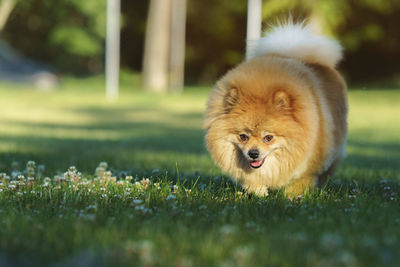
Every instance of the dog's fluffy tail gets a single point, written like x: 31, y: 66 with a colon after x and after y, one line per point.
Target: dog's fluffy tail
x: 298, y: 41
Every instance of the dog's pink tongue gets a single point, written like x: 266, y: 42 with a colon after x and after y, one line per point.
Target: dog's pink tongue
x: 256, y: 163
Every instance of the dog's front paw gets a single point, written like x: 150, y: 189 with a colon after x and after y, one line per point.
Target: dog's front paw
x: 261, y: 191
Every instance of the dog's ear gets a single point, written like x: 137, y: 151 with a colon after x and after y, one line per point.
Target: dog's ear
x: 282, y: 100
x: 231, y: 98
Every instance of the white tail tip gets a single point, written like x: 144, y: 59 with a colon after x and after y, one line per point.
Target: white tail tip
x: 298, y: 41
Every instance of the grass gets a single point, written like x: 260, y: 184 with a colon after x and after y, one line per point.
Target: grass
x: 161, y: 200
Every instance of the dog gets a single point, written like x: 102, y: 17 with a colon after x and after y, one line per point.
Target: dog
x: 279, y: 119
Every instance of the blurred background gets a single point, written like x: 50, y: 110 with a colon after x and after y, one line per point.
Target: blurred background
x: 67, y: 37
x: 59, y: 47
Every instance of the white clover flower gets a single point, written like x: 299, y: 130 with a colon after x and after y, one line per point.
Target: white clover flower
x: 84, y: 182
x: 1, y: 190
x: 145, y: 183
x: 128, y: 178
x: 72, y: 169
x: 46, y: 184
x: 30, y: 168
x: 157, y: 186
x: 104, y: 195
x: 59, y: 178
x: 14, y: 174
x: 103, y: 165
x: 72, y: 174
x: 11, y: 186
x: 174, y: 189
x: 100, y: 171
x: 31, y: 164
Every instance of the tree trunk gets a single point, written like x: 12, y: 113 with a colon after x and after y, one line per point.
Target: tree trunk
x: 157, y: 46
x: 6, y: 6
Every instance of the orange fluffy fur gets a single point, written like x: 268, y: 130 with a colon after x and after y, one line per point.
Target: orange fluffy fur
x: 302, y: 105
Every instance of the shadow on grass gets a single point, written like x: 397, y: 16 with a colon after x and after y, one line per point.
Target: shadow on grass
x: 374, y: 156
x: 129, y: 140
x: 113, y: 135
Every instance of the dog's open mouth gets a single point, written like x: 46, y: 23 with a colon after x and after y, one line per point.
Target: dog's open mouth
x: 256, y: 163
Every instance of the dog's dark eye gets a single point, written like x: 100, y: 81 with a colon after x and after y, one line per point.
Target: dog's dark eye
x: 243, y: 137
x: 268, y: 138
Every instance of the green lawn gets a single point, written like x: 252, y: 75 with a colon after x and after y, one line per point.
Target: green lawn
x: 204, y: 220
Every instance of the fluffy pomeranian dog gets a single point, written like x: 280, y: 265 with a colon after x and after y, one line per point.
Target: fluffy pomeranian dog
x: 278, y: 120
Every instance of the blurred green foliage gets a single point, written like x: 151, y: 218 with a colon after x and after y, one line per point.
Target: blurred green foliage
x: 69, y: 34
x: 216, y: 38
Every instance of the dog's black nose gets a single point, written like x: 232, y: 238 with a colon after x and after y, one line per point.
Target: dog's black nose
x: 253, y: 153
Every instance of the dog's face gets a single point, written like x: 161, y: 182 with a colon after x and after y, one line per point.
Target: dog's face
x: 255, y: 148
x: 262, y: 127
